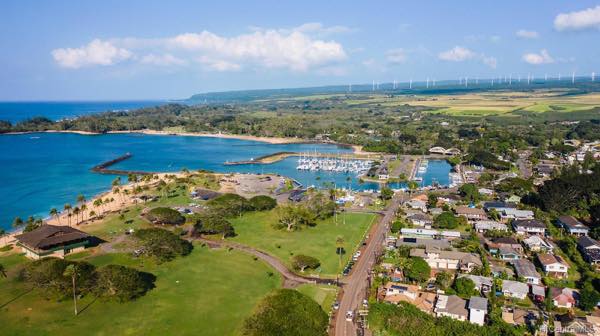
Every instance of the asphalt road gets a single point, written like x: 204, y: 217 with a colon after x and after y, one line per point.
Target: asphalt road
x: 355, y: 285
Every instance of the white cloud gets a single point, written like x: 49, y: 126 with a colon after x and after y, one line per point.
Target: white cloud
x: 271, y: 49
x: 97, y: 52
x: 542, y: 58
x: 396, y: 56
x: 162, y: 60
x: 461, y: 54
x: 295, y: 49
x: 581, y: 20
x: 456, y: 54
x: 527, y: 34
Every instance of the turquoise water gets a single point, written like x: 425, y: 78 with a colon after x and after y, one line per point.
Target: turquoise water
x: 44, y: 170
x: 437, y: 171
x: 17, y: 111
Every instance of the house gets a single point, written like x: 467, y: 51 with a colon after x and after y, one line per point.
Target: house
x: 514, y: 289
x: 485, y: 191
x: 486, y: 225
x: 416, y: 204
x: 590, y: 249
x: 420, y: 219
x: 567, y: 324
x: 396, y: 292
x: 517, y: 316
x: 507, y: 253
x: 472, y: 214
x: 526, y: 269
x: 554, y: 266
x: 451, y: 306
x: 538, y: 293
x: 529, y: 226
x: 563, y: 297
x: 429, y: 233
x: 507, y: 242
x: 538, y: 244
x: 453, y: 260
x: 500, y: 270
x: 435, y: 211
x: 482, y: 284
x: 449, y: 199
x: 419, y: 242
x: 499, y: 206
x: 52, y: 241
x: 204, y: 194
x: 573, y: 226
x: 514, y: 199
x: 511, y: 214
x: 478, y: 308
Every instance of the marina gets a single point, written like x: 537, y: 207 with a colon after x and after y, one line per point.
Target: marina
x: 339, y: 165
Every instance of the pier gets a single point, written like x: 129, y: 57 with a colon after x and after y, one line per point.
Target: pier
x: 103, y: 167
x: 275, y: 157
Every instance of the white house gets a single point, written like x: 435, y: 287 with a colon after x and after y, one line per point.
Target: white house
x: 510, y: 213
x: 451, y: 306
x: 485, y: 225
x: 529, y: 226
x: 573, y: 226
x: 538, y: 244
x: 526, y: 269
x: 477, y: 310
x: 454, y: 260
x: 514, y: 289
x: 553, y: 265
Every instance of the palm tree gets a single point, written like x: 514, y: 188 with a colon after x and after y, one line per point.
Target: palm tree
x: 412, y: 185
x: 67, y: 208
x: 92, y: 214
x: 54, y: 213
x: 2, y: 271
x: 97, y: 202
x: 83, y: 207
x: 73, y: 271
x: 76, y: 212
x: 80, y: 199
x: 17, y: 222
x: 339, y: 247
x: 2, y: 233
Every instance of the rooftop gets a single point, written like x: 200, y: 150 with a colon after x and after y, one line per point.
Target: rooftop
x: 476, y: 302
x: 48, y: 236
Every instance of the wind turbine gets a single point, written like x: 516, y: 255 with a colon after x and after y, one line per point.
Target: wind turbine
x: 373, y: 86
x: 573, y: 78
x: 466, y: 81
x: 349, y: 87
x: 593, y: 76
x: 427, y: 83
x: 492, y: 81
x: 528, y: 78
x: 559, y: 76
x: 510, y: 79
x: 545, y: 77
x: 410, y: 84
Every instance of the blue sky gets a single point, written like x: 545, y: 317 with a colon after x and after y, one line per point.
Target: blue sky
x: 99, y: 50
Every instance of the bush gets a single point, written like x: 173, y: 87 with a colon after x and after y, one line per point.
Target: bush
x: 123, y: 283
x: 287, y: 312
x: 162, y: 244
x: 262, y: 203
x: 49, y: 275
x: 164, y: 215
x: 302, y: 262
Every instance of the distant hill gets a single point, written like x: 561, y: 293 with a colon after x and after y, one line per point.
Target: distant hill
x: 446, y: 88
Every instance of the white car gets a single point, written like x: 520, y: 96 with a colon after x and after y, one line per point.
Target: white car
x: 349, y: 316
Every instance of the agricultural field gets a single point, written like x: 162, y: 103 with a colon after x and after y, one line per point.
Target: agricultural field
x: 209, y: 292
x: 256, y: 229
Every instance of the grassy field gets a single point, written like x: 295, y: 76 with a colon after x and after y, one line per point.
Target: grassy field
x: 209, y: 292
x: 322, y: 294
x: 255, y: 229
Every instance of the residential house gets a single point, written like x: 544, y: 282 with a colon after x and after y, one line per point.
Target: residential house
x: 478, y: 308
x: 514, y: 289
x: 486, y: 225
x: 590, y: 249
x: 506, y: 243
x: 519, y: 317
x: 508, y: 253
x: 449, y: 199
x: 514, y: 199
x: 512, y: 214
x: 486, y: 191
x: 500, y: 270
x: 451, y: 306
x: 471, y: 214
x: 568, y: 324
x: 420, y: 219
x: 573, y: 226
x: 429, y: 233
x: 499, y: 206
x: 538, y: 293
x: 526, y: 270
x: 397, y: 292
x: 482, y: 284
x: 529, y: 226
x: 435, y: 211
x: 423, y: 242
x: 452, y: 260
x: 52, y: 241
x: 538, y: 244
x: 553, y: 265
x: 416, y: 204
x: 563, y: 297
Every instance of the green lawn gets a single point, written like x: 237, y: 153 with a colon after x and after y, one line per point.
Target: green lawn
x: 209, y: 292
x: 255, y: 229
x: 324, y: 295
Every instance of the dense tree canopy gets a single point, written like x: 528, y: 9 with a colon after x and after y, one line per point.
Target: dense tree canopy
x: 301, y: 262
x: 122, y: 283
x: 417, y: 269
x: 161, y: 244
x: 163, y: 215
x: 287, y: 312
x: 262, y: 203
x: 446, y: 220
x: 213, y: 223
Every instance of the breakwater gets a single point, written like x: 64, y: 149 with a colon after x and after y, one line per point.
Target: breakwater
x: 103, y: 168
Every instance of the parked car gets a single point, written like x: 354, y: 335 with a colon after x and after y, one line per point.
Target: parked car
x: 336, y: 306
x: 349, y: 316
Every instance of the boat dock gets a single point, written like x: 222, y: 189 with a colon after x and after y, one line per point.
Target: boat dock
x: 275, y: 157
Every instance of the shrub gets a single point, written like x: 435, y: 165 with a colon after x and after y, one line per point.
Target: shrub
x: 162, y: 244
x: 162, y: 215
x: 123, y: 283
x: 262, y: 203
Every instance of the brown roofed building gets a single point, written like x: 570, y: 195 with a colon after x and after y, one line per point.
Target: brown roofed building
x: 472, y: 214
x: 52, y: 241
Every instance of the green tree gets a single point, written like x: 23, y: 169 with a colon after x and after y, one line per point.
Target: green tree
x: 164, y: 215
x: 122, y: 283
x: 301, y: 262
x: 54, y: 213
x: 72, y: 271
x: 17, y: 222
x: 2, y: 271
x: 339, y: 248
x: 386, y: 192
x: 161, y: 244
x: 446, y: 220
x: 287, y: 312
x: 465, y: 287
x: 589, y: 297
x: 443, y: 280
x: 67, y: 207
x: 432, y: 200
x: 412, y: 186
x: 417, y: 269
x: 262, y: 203
x: 212, y: 223
x: 293, y: 217
x: 470, y: 192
